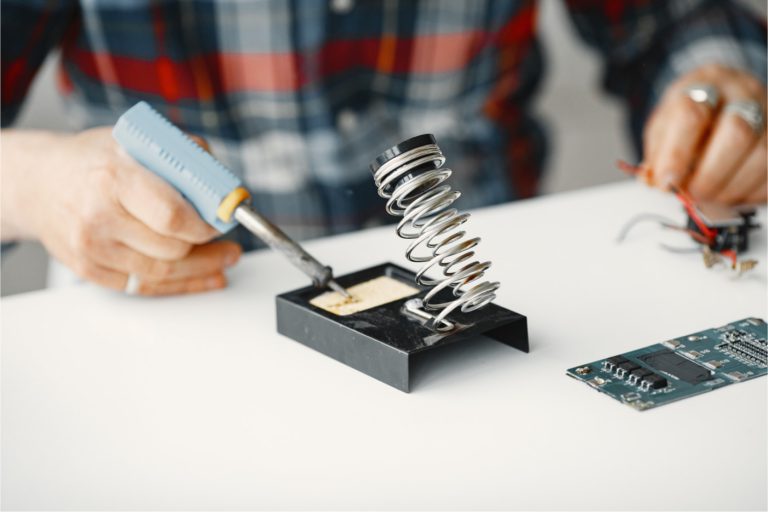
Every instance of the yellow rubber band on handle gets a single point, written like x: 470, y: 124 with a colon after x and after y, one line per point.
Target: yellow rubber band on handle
x: 227, y: 206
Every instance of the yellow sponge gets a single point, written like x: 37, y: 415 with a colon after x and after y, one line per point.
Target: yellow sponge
x: 366, y: 295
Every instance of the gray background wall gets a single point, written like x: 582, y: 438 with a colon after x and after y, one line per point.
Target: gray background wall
x: 585, y: 128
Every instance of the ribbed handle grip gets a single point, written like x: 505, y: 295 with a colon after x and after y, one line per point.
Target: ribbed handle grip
x: 161, y: 147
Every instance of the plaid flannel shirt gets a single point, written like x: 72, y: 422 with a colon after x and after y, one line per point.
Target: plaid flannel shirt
x: 297, y: 96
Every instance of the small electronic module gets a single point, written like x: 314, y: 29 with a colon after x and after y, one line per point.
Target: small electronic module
x: 681, y: 367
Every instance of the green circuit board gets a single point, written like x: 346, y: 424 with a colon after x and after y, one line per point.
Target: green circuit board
x: 681, y: 367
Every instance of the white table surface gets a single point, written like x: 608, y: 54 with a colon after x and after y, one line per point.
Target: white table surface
x: 113, y: 402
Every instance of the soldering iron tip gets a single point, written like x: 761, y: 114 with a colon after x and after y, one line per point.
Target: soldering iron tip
x: 333, y: 285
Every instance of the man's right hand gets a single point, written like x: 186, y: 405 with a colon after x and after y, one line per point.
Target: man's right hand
x: 105, y: 216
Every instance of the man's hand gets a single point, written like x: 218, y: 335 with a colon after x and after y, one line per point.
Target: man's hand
x: 712, y: 152
x: 105, y: 216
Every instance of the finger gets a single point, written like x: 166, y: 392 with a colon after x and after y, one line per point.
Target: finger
x: 758, y: 198
x: 653, y: 135
x: 139, y: 237
x: 89, y: 270
x: 727, y: 148
x: 158, y: 205
x: 103, y: 276
x: 191, y: 285
x: 78, y: 256
x: 687, y: 124
x: 201, y: 261
x: 758, y: 194
x: 748, y: 179
x: 652, y: 139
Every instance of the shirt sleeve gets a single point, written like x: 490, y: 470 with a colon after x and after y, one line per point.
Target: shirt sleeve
x: 648, y: 44
x: 29, y: 30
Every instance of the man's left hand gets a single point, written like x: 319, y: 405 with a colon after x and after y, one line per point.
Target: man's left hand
x: 714, y: 149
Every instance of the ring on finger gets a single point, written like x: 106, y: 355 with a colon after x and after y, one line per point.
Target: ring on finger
x: 750, y: 111
x: 132, y: 285
x: 703, y: 94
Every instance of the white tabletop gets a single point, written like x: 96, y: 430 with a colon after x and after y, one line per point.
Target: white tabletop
x: 113, y: 402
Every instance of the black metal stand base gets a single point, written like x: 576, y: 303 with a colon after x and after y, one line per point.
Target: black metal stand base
x: 382, y: 341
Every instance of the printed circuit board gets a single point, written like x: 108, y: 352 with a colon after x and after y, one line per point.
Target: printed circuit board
x: 681, y: 367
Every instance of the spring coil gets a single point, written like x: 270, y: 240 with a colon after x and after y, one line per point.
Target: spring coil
x: 413, y: 182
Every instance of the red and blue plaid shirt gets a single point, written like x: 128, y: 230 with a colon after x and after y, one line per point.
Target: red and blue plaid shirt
x: 298, y: 96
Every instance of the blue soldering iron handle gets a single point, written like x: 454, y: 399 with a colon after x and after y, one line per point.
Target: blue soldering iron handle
x: 161, y: 147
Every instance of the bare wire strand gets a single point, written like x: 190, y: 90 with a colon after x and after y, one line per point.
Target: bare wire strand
x: 665, y: 222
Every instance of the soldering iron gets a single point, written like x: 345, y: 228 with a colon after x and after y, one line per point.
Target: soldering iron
x: 216, y: 193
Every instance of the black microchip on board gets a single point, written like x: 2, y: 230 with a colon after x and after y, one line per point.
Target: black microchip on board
x: 674, y: 364
x: 641, y: 372
x: 628, y: 366
x: 655, y: 381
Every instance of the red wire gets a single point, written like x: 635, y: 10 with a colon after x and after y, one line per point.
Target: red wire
x: 690, y: 207
x: 730, y: 254
x: 688, y: 204
x: 632, y: 170
x: 637, y: 171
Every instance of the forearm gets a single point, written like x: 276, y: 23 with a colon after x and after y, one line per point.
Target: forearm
x: 23, y: 161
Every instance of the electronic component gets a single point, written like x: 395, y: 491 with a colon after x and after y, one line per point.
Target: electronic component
x: 745, y: 347
x: 653, y: 381
x: 611, y: 363
x: 624, y: 368
x: 596, y: 381
x: 658, y: 374
x: 676, y: 365
x: 637, y: 376
x: 728, y: 228
x: 721, y: 232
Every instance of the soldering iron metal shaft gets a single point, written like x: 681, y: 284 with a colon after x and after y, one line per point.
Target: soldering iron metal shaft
x: 273, y: 236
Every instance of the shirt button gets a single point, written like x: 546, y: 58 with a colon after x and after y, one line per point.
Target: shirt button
x: 342, y: 6
x: 346, y: 120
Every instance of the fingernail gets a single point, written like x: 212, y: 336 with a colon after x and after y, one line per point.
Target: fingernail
x: 214, y: 282
x: 231, y: 258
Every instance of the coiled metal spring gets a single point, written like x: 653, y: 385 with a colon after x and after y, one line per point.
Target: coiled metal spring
x: 412, y: 179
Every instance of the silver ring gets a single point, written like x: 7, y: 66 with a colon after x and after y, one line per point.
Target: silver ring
x: 703, y: 94
x: 132, y: 285
x: 748, y: 110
